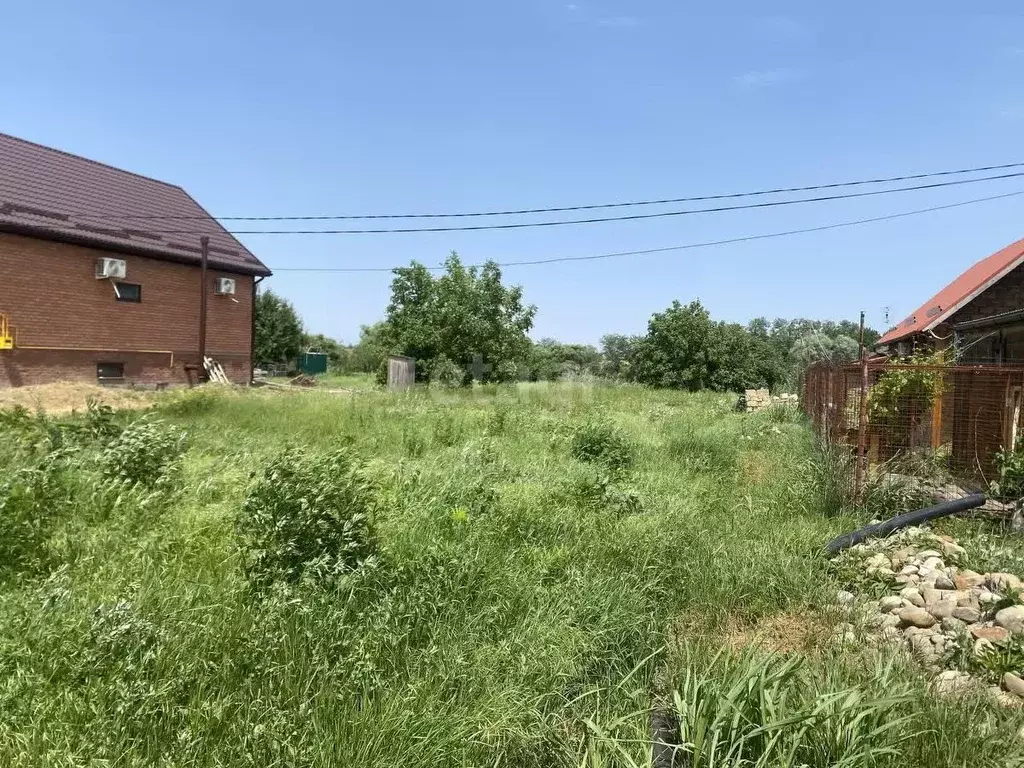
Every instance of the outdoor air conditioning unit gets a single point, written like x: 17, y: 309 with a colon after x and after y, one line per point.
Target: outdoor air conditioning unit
x: 224, y: 286
x: 110, y: 268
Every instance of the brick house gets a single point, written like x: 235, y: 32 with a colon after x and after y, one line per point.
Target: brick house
x: 100, y: 276
x: 981, y: 314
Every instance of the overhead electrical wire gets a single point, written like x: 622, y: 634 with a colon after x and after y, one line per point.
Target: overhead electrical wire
x: 567, y: 208
x: 603, y: 219
x: 687, y: 246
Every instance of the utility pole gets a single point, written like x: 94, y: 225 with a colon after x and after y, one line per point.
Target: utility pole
x: 862, y: 426
x: 205, y: 243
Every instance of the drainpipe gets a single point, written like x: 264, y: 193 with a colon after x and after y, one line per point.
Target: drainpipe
x: 205, y: 243
x: 252, y: 333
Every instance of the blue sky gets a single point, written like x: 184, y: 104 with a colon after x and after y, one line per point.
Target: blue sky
x: 261, y: 108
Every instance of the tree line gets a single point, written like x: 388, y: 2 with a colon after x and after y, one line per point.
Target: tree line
x: 466, y: 325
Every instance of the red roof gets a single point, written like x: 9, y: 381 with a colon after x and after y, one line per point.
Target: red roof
x: 954, y: 296
x: 54, y: 195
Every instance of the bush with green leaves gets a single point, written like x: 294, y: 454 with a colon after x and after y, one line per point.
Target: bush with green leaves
x: 447, y: 374
x: 601, y: 492
x: 146, y: 453
x: 307, y: 518
x: 29, y: 505
x: 1010, y: 466
x: 600, y: 442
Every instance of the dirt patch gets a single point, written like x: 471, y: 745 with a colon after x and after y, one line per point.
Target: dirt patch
x: 801, y: 631
x: 66, y: 397
x: 786, y: 632
x: 756, y: 467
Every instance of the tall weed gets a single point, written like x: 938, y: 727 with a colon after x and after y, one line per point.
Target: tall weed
x: 307, y: 518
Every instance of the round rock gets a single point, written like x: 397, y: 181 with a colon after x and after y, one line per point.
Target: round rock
x: 890, y: 603
x: 967, y: 614
x: 913, y: 595
x: 992, y: 634
x: 942, y: 581
x: 1003, y: 582
x: 953, y: 683
x: 1012, y: 618
x: 1013, y: 684
x: 940, y: 609
x: 998, y: 696
x: 952, y: 624
x: 916, y: 617
x: 968, y: 579
x: 987, y: 598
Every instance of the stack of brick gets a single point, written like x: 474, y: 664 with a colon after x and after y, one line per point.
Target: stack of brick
x: 754, y: 400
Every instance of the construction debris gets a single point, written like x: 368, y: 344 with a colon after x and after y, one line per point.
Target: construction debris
x: 215, y: 372
x: 753, y: 400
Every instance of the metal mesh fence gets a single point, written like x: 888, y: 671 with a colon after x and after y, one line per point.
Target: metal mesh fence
x: 932, y: 428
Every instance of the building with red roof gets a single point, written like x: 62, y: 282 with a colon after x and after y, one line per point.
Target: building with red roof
x: 101, y: 276
x: 981, y: 313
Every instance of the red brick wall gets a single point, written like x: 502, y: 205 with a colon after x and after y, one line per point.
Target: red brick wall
x: 52, y: 298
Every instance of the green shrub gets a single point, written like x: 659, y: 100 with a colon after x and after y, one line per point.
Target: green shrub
x: 307, y: 518
x: 100, y: 422
x: 447, y: 374
x: 600, y: 492
x: 145, y: 453
x: 599, y: 442
x: 27, y: 512
x: 1010, y: 466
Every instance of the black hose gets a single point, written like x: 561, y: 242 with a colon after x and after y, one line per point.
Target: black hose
x: 665, y: 740
x: 902, y: 521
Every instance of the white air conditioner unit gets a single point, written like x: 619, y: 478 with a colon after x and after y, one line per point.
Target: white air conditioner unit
x: 110, y: 268
x: 224, y: 286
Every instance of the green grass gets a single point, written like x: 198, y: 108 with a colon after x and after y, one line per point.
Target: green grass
x: 355, y: 381
x: 524, y: 607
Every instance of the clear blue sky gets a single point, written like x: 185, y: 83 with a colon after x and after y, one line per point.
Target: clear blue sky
x: 315, y: 107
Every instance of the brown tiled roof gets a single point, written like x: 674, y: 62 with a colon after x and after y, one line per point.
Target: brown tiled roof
x: 954, y: 296
x: 53, y: 195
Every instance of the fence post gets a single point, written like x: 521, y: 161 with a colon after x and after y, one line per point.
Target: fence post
x: 862, y: 426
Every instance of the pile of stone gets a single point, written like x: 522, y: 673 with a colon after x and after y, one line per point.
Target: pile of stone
x: 754, y: 400
x: 940, y: 611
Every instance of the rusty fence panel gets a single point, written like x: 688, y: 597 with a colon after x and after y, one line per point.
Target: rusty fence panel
x: 937, y: 428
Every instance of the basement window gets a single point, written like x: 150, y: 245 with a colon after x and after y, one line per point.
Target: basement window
x: 128, y: 292
x: 109, y: 371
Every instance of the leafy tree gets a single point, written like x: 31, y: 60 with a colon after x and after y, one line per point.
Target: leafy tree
x: 617, y: 352
x: 368, y: 355
x: 685, y: 349
x: 676, y: 351
x: 817, y: 347
x: 337, y: 353
x: 550, y: 360
x: 466, y: 315
x: 278, y: 329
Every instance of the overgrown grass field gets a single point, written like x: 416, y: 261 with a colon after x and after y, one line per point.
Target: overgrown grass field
x: 502, y: 577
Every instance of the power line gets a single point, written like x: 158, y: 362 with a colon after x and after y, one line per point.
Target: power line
x: 687, y: 246
x: 567, y: 208
x: 603, y: 219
